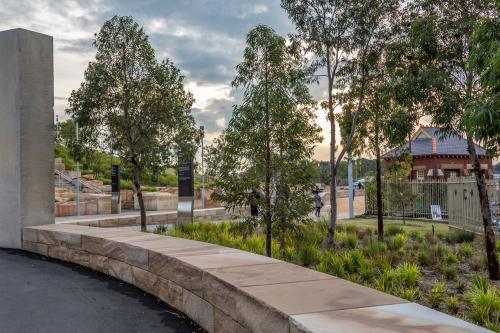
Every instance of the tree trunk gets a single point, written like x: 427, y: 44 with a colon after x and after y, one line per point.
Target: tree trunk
x: 267, y: 215
x: 380, y: 208
x: 489, y: 235
x: 333, y: 171
x: 333, y: 187
x: 140, y: 199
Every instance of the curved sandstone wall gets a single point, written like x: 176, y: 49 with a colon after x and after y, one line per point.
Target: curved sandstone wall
x: 227, y: 290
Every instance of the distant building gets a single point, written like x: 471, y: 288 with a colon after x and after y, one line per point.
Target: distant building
x: 439, y: 156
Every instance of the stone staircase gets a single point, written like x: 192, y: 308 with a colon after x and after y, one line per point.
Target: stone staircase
x: 62, y: 179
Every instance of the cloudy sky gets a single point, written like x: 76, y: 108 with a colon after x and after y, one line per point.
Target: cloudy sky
x: 204, y: 38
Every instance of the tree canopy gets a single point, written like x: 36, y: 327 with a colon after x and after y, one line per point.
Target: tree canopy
x: 131, y: 103
x: 271, y: 135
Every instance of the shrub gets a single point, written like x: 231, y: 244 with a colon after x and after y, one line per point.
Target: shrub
x: 392, y: 230
x: 450, y: 258
x: 366, y: 272
x: 396, y: 242
x: 255, y: 244
x: 481, y: 283
x: 430, y: 239
x: 438, y: 252
x: 126, y: 184
x: 411, y: 294
x: 466, y: 250
x: 382, y: 262
x: 409, y: 274
x: 423, y: 258
x: 436, y: 294
x: 168, y: 179
x: 350, y: 241
x: 349, y: 263
x: 476, y: 263
x: 452, y: 305
x: 450, y: 272
x: 459, y: 236
x: 375, y: 249
x: 351, y: 229
x: 484, y: 304
x: 388, y: 279
x: 148, y: 189
x: 161, y: 230
x: 308, y: 254
x: 332, y: 264
x: 460, y: 286
x: 416, y: 236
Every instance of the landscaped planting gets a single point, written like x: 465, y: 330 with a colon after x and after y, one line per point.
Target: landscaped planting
x: 445, y: 271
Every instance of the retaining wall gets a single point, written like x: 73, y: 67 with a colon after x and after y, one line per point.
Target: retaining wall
x: 157, y: 218
x: 226, y: 290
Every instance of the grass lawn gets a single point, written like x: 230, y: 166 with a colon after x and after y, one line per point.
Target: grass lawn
x: 420, y: 226
x: 446, y: 270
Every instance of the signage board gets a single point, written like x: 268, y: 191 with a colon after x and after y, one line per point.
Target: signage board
x: 185, y: 179
x: 115, y: 190
x: 436, y: 212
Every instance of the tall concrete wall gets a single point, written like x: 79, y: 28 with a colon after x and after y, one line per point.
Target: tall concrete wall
x: 26, y: 133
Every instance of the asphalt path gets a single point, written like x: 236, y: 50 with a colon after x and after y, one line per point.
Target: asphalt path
x: 38, y: 294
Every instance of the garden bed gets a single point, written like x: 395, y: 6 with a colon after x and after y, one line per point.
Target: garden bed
x: 445, y: 270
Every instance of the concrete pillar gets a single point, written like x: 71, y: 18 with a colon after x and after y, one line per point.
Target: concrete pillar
x: 26, y: 133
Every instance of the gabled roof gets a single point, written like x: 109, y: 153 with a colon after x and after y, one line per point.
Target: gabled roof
x: 446, y: 144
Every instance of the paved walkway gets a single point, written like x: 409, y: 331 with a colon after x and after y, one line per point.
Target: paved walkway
x: 44, y: 295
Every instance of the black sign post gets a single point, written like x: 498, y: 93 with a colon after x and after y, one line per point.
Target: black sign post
x: 185, y: 204
x: 115, y: 190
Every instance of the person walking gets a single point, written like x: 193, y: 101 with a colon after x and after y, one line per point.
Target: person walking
x: 254, y: 199
x: 317, y: 203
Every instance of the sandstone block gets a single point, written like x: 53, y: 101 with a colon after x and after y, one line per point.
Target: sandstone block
x: 242, y: 308
x: 224, y: 324
x: 199, y: 310
x: 35, y: 247
x: 171, y: 293
x: 60, y: 238
x: 146, y: 281
x: 122, y: 251
x: 120, y: 270
x: 98, y: 263
x: 186, y: 276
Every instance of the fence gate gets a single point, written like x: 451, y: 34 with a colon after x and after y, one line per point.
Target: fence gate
x: 464, y: 208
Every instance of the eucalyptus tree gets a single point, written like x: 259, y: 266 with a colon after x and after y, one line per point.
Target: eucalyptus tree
x: 383, y: 125
x: 440, y: 76
x: 269, y: 141
x: 341, y: 35
x: 131, y: 103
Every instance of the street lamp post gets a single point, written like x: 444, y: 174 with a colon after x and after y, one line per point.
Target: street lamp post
x: 351, y: 186
x: 77, y: 174
x: 202, y: 135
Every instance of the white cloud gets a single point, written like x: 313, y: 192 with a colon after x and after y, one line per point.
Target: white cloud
x: 247, y: 10
x: 260, y: 9
x: 204, y: 94
x: 160, y: 25
x: 221, y: 122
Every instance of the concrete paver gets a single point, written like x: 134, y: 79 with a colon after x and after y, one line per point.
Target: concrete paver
x: 397, y: 318
x: 323, y: 295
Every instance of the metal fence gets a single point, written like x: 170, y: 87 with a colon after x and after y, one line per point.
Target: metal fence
x: 457, y: 199
x: 411, y: 199
x: 465, y: 208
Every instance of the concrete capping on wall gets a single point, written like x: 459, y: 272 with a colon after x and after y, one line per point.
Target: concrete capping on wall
x: 226, y: 290
x: 154, y: 218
